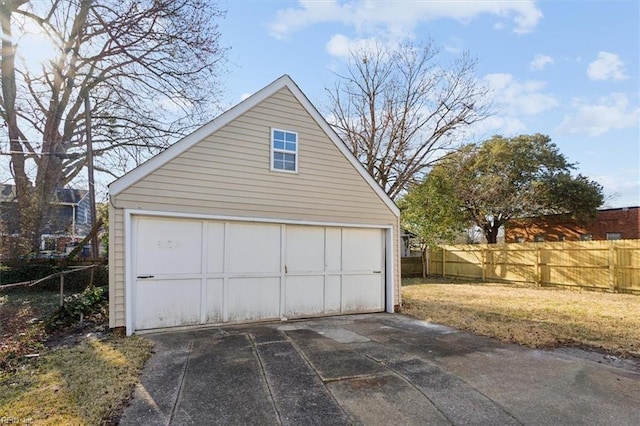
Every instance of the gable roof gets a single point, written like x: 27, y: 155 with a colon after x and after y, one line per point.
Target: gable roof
x: 228, y: 116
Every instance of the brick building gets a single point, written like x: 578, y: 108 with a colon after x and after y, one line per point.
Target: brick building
x: 609, y: 224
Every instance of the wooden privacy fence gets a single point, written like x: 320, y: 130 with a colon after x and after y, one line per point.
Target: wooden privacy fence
x: 411, y: 266
x: 604, y: 265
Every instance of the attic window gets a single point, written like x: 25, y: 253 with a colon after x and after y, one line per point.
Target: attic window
x: 284, y: 151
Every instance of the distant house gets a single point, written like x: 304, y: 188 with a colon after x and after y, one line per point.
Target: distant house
x: 609, y: 224
x: 69, y: 218
x: 408, y: 239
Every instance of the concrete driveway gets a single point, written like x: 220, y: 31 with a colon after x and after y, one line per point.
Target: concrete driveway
x: 375, y: 369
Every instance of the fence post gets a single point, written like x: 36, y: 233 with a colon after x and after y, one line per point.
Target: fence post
x: 428, y: 261
x: 538, y: 267
x: 444, y: 263
x: 62, y: 290
x: 612, y: 271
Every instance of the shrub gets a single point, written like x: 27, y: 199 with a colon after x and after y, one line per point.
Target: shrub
x: 91, y: 305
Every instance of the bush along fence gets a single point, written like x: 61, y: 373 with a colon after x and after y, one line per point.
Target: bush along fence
x: 600, y: 265
x: 91, y: 303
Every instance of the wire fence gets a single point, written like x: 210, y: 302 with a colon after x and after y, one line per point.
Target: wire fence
x: 60, y: 275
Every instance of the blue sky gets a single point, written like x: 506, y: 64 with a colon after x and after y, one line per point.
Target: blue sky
x: 568, y: 69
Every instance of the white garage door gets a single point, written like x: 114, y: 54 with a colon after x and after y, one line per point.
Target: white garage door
x: 198, y: 272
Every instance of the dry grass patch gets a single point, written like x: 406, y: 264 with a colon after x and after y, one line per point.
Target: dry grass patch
x: 21, y: 327
x: 532, y: 316
x: 86, y: 384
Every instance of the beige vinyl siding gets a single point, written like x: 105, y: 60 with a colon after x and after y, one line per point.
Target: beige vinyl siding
x: 116, y: 267
x: 228, y: 173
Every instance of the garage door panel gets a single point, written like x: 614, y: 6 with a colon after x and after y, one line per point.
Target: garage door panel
x: 333, y: 256
x: 362, y: 293
x: 253, y: 298
x: 305, y: 248
x: 254, y: 248
x: 167, y: 303
x: 303, y: 296
x: 215, y: 247
x: 214, y: 300
x: 168, y: 247
x: 333, y: 293
x: 361, y: 249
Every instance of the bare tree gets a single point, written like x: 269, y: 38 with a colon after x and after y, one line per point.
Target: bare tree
x: 150, y: 70
x: 401, y: 110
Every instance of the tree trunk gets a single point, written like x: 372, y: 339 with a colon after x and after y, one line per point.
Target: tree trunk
x: 491, y: 233
x: 24, y: 191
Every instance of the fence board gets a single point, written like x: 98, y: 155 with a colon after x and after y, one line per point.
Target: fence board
x: 411, y: 266
x: 602, y: 265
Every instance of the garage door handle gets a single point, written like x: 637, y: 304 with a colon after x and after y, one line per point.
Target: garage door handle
x: 145, y: 276
x: 377, y: 272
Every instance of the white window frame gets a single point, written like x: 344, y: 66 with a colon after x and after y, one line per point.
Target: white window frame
x: 283, y: 151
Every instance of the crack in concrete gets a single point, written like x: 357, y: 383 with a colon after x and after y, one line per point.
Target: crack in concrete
x: 264, y: 375
x: 346, y: 378
x: 402, y: 377
x: 308, y: 362
x: 180, y: 387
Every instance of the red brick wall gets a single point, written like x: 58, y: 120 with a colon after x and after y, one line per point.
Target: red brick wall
x: 625, y: 221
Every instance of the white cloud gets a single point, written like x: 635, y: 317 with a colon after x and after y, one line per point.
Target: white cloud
x: 621, y: 188
x: 540, y: 62
x: 513, y: 101
x: 340, y: 45
x: 245, y: 96
x: 519, y: 98
x: 398, y: 21
x: 607, y: 66
x: 498, y: 124
x: 594, y: 119
x: 454, y: 46
x: 174, y: 102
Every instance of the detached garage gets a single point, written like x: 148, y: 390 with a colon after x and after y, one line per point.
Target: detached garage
x: 261, y: 214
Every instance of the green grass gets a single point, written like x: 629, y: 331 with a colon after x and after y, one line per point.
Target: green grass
x: 87, y: 383
x: 532, y: 316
